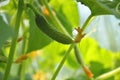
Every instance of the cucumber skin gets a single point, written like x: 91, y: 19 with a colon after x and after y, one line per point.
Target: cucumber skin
x: 51, y: 31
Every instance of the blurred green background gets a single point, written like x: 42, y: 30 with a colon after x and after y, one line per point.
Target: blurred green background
x: 100, y: 48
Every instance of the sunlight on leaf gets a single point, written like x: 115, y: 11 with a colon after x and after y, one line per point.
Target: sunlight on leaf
x: 69, y: 9
x: 93, y: 52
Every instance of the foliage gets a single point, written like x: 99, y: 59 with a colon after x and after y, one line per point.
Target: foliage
x: 28, y: 53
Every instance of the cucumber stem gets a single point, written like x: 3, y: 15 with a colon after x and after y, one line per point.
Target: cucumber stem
x: 89, y: 19
x: 78, y: 56
x: 81, y: 62
x: 55, y: 19
x: 14, y: 39
x: 108, y: 74
x: 62, y: 62
x: 33, y: 9
x: 24, y: 49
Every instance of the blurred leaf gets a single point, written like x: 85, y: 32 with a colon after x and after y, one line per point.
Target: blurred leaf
x: 1, y: 75
x: 27, y: 77
x: 65, y: 22
x: 69, y: 9
x: 78, y: 76
x: 5, y: 31
x: 117, y: 60
x: 111, y: 78
x: 3, y: 59
x: 72, y: 62
x: 14, y: 78
x: 37, y: 39
x: 102, y: 7
x: 97, y: 68
x: 52, y: 55
x: 93, y: 52
x: 2, y: 67
x: 1, y: 52
x: 117, y: 76
x: 9, y: 6
x: 114, y: 6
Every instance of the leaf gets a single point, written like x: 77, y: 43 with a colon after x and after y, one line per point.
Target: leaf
x: 93, y: 52
x: 102, y: 7
x: 98, y: 68
x: 52, y: 55
x: 68, y: 9
x: 5, y: 31
x: 9, y: 6
x: 72, y: 62
x: 65, y: 22
x: 3, y: 59
x: 117, y: 60
x: 37, y: 39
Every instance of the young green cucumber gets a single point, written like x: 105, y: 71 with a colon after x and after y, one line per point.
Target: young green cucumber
x: 51, y: 31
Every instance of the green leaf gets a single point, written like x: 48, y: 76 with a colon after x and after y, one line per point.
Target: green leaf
x: 69, y: 9
x: 52, y: 54
x: 93, y: 52
x: 9, y: 6
x: 37, y: 39
x: 65, y: 22
x: 72, y: 62
x: 98, y: 68
x: 5, y: 31
x: 117, y: 60
x: 103, y: 7
x: 3, y: 59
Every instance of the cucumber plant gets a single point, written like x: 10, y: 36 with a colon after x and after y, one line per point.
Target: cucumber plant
x: 51, y: 32
x: 41, y: 18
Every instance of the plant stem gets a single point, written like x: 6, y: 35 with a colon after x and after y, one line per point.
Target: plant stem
x: 23, y: 69
x: 108, y: 74
x: 55, y: 19
x: 62, y: 62
x: 81, y: 62
x: 89, y: 19
x: 78, y: 56
x: 24, y: 48
x: 14, y: 40
x: 32, y: 8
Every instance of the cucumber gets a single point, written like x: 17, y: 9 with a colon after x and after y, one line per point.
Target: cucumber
x: 51, y: 31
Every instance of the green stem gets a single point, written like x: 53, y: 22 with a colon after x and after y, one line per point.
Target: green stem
x: 14, y: 40
x: 81, y: 62
x: 23, y: 69
x: 24, y: 48
x: 89, y: 19
x: 32, y: 8
x: 62, y: 62
x: 108, y: 74
x: 78, y: 56
x: 55, y: 19
x: 22, y: 66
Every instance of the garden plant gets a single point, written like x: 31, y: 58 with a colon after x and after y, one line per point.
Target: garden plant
x: 46, y: 40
